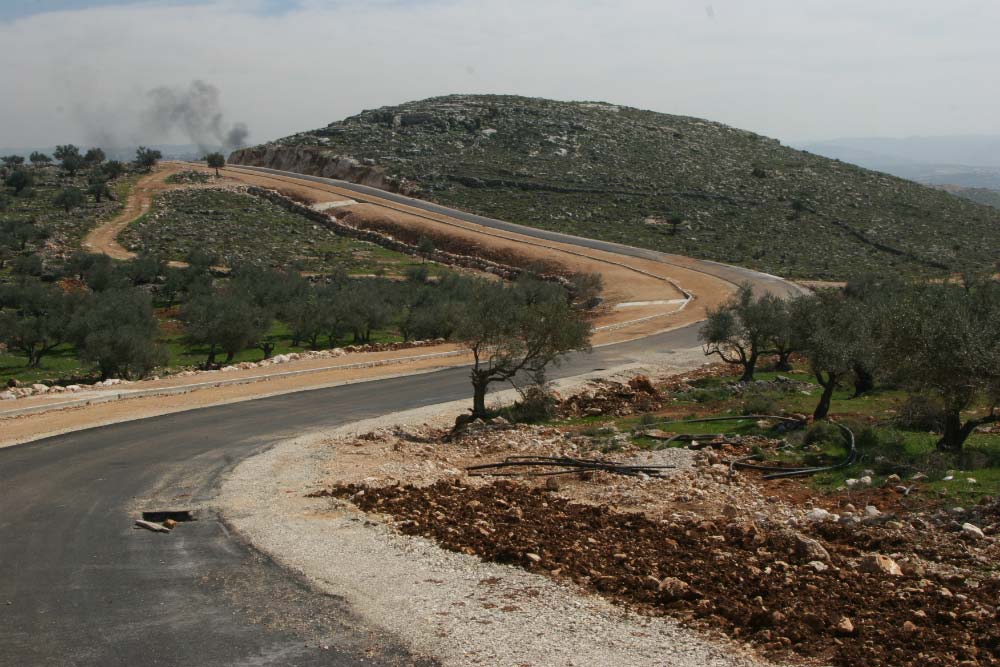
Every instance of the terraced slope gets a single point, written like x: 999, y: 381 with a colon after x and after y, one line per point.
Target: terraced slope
x: 665, y: 182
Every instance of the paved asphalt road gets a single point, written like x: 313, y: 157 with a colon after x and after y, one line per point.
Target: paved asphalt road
x: 79, y: 586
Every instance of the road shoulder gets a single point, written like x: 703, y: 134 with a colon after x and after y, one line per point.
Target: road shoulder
x: 447, y: 605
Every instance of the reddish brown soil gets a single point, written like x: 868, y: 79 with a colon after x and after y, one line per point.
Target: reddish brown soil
x: 749, y: 581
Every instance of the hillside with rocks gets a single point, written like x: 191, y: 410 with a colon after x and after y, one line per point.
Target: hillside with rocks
x: 670, y: 183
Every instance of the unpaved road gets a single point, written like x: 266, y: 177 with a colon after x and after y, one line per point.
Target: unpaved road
x: 80, y: 587
x: 104, y: 238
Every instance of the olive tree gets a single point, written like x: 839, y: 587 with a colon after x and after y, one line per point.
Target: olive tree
x: 216, y: 161
x: 511, y: 333
x: 223, y: 321
x: 94, y: 157
x: 941, y: 339
x: 98, y: 188
x: 38, y: 159
x: 19, y: 180
x: 833, y: 332
x: 117, y: 331
x: 742, y: 329
x: 34, y: 319
x: 69, y: 158
x: 146, y: 158
x: 69, y: 198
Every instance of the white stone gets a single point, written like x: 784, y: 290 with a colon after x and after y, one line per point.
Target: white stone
x: 974, y: 531
x: 818, y: 514
x: 872, y: 511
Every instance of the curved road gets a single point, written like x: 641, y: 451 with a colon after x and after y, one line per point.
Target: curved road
x: 79, y: 586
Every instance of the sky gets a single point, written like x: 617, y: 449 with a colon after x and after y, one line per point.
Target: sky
x: 81, y: 71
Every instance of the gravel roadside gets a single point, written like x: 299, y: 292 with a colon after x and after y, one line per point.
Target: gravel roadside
x: 445, y: 605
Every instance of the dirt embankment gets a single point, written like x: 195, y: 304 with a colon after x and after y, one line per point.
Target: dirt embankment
x: 313, y: 161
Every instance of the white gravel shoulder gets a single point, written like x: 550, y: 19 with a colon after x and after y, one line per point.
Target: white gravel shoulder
x: 445, y: 605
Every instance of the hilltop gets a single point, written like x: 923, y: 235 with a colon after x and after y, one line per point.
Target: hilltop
x: 671, y: 183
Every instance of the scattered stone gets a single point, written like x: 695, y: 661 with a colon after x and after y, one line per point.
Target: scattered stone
x: 810, y: 550
x: 973, y: 531
x: 674, y: 589
x: 879, y: 563
x: 818, y: 515
x: 844, y: 627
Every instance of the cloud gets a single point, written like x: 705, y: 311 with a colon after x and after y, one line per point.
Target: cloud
x: 787, y: 68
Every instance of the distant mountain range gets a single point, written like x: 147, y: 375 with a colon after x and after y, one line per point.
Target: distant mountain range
x: 971, y: 161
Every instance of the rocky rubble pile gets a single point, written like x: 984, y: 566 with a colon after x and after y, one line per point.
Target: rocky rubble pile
x: 607, y: 397
x: 783, y: 590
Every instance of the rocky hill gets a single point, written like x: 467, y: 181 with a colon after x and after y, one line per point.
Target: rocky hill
x: 671, y: 183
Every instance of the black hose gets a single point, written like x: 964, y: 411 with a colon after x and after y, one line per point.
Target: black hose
x: 565, y: 463
x: 775, y: 472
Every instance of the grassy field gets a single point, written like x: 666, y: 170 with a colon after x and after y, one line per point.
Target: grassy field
x: 239, y: 228
x: 885, y: 446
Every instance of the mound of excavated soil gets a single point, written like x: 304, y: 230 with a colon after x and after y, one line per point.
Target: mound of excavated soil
x: 817, y: 596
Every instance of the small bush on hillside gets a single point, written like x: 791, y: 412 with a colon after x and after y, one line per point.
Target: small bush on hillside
x: 536, y: 404
x: 884, y: 450
x: 921, y: 413
x: 759, y: 404
x: 824, y: 433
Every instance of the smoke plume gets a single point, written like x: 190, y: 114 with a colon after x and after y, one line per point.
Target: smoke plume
x: 194, y: 111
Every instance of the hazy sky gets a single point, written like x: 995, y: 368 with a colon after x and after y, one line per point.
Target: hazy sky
x: 793, y: 69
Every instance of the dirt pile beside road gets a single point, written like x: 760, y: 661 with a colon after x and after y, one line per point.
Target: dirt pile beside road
x: 815, y: 594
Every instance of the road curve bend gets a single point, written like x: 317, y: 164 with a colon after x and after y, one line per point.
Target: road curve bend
x: 79, y: 586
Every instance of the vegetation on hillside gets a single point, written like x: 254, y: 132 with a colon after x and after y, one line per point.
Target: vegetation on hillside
x: 936, y: 340
x: 238, y: 228
x: 671, y: 183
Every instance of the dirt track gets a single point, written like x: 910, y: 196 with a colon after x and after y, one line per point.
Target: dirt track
x: 104, y: 238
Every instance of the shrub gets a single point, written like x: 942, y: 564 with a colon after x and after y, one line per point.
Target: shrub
x: 824, y: 433
x: 921, y: 413
x: 536, y: 404
x: 759, y: 404
x: 883, y: 449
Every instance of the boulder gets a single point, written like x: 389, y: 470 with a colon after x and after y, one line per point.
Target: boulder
x: 972, y: 531
x: 880, y: 564
x: 809, y: 549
